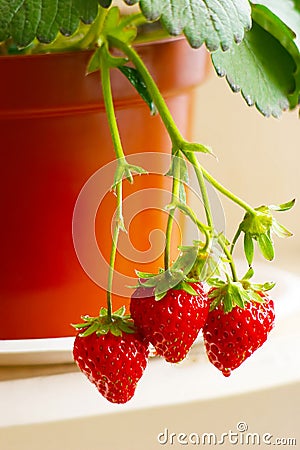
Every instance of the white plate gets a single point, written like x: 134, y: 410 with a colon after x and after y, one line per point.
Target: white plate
x: 36, y: 351
x: 59, y: 350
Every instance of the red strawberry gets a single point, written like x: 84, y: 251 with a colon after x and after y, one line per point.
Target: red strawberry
x: 114, y: 360
x: 231, y: 337
x: 172, y: 323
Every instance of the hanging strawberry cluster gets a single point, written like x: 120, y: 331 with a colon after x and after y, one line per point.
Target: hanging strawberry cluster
x: 201, y: 290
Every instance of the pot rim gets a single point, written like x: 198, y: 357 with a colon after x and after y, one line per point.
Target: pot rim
x: 141, y: 44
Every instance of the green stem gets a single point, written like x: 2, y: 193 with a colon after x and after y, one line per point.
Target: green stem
x: 109, y: 107
x: 159, y: 102
x: 175, y: 196
x: 199, y: 174
x: 227, y: 193
x: 230, y: 259
x: 201, y: 227
x: 91, y: 37
x: 236, y: 236
x: 113, y: 253
x: 135, y: 19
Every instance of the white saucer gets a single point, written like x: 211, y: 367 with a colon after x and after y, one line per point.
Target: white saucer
x: 36, y: 351
x: 59, y: 350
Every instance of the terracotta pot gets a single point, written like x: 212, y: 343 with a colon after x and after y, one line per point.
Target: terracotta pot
x: 54, y: 137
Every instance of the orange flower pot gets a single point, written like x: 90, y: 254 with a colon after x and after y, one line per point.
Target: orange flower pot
x: 54, y: 137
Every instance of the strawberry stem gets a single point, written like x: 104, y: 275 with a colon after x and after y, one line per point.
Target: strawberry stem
x: 175, y: 196
x: 228, y: 193
x: 109, y: 105
x: 159, y: 101
x: 110, y: 111
x: 199, y: 174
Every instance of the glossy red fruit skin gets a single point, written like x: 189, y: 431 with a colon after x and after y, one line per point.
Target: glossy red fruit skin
x: 172, y: 323
x: 230, y: 338
x: 113, y: 363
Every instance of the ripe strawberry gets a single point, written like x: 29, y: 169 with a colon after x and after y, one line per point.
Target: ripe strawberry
x: 231, y: 337
x: 113, y: 362
x: 172, y: 323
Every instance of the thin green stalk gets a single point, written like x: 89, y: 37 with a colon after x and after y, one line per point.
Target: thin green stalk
x: 227, y: 193
x: 236, y: 236
x: 109, y: 107
x: 175, y: 196
x: 230, y: 259
x: 201, y: 227
x: 159, y: 102
x: 199, y: 174
x: 135, y: 19
x: 113, y: 253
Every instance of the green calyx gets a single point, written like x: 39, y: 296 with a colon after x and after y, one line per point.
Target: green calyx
x: 257, y: 224
x: 117, y: 324
x: 206, y: 264
x: 174, y: 278
x: 233, y: 294
x: 260, y: 226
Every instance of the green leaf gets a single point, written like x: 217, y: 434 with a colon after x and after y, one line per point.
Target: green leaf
x: 126, y: 326
x: 249, y: 274
x: 263, y: 287
x: 135, y: 78
x: 25, y: 20
x: 131, y: 2
x: 191, y: 147
x: 261, y: 68
x: 255, y: 297
x: 103, y: 312
x: 276, y: 22
x: 105, y: 3
x: 114, y: 329
x: 234, y: 291
x: 80, y: 325
x: 187, y: 288
x: 160, y: 295
x: 218, y: 23
x: 94, y: 63
x: 144, y: 274
x: 120, y: 312
x: 216, y: 282
x: 92, y: 329
x: 288, y: 11
x: 185, y: 260
x: 248, y: 248
x: 266, y: 246
x: 87, y: 10
x: 280, y: 230
x: 284, y: 206
x: 268, y: 286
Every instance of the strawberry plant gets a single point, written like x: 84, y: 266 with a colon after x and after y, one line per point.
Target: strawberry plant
x: 255, y: 45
